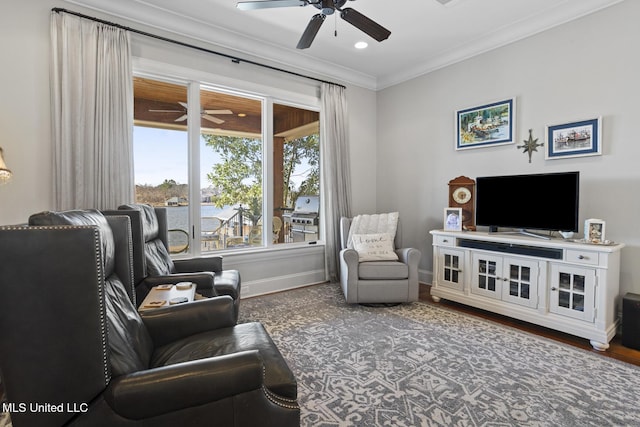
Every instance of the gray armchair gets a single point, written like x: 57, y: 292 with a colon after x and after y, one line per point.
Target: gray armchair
x: 72, y: 338
x: 387, y: 281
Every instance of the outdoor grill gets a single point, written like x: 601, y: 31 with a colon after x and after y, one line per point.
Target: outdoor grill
x: 303, y: 221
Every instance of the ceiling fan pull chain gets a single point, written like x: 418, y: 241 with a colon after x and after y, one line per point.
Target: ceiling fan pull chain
x: 335, y: 25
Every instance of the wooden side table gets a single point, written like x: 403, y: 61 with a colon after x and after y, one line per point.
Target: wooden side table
x: 165, y: 295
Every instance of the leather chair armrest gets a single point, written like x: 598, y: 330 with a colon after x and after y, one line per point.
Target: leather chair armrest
x: 203, y: 280
x: 172, y: 388
x: 171, y: 323
x: 198, y: 264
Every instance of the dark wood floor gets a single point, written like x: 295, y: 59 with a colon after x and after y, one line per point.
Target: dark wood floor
x: 615, y: 351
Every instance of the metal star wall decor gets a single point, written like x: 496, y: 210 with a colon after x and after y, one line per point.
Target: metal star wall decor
x: 530, y: 145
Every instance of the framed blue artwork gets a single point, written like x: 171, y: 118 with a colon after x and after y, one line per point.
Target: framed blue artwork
x: 575, y: 139
x: 486, y: 125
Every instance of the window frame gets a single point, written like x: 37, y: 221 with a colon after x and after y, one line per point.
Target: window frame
x: 196, y: 81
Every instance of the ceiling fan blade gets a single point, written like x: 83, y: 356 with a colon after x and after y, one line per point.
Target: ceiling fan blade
x: 364, y: 24
x: 218, y: 112
x: 213, y: 119
x: 310, y: 32
x: 181, y: 118
x: 252, y: 5
x: 184, y: 104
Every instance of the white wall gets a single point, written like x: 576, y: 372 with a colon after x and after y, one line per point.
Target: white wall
x: 362, y: 150
x: 580, y: 70
x: 24, y: 109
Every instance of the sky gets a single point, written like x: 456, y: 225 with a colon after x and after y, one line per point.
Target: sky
x: 161, y: 154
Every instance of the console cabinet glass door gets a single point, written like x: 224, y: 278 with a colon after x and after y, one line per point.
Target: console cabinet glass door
x: 450, y: 268
x: 487, y: 275
x: 520, y: 282
x: 572, y: 291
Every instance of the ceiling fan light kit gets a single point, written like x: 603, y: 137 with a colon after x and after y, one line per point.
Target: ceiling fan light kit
x: 205, y: 114
x: 327, y: 7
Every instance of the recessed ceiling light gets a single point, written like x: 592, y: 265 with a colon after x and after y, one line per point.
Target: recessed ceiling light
x: 242, y: 115
x: 361, y: 45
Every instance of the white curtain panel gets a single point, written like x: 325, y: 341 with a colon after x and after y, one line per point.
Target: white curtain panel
x: 336, y: 173
x: 92, y: 114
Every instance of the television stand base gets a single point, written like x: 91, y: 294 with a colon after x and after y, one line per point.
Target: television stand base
x: 494, y: 230
x: 568, y: 286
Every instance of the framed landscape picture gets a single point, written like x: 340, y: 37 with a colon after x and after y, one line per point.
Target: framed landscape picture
x: 575, y: 139
x: 486, y: 125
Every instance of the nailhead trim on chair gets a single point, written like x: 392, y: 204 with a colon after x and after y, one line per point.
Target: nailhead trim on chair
x: 101, y: 296
x: 277, y: 399
x: 131, y: 279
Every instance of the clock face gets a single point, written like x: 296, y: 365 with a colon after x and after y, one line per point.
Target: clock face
x: 461, y: 195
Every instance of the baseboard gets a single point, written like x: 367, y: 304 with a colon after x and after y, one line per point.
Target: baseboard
x: 270, y: 285
x: 425, y: 276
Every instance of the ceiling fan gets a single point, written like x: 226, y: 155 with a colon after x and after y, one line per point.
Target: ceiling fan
x: 205, y: 114
x: 327, y: 7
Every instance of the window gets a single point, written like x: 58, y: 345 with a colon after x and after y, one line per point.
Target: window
x: 219, y: 186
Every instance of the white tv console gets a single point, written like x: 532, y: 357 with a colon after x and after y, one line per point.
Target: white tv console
x: 564, y: 285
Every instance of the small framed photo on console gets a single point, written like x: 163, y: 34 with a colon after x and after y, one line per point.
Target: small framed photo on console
x: 453, y: 219
x: 594, y: 231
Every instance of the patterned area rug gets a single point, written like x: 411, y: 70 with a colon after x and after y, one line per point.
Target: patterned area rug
x: 423, y: 365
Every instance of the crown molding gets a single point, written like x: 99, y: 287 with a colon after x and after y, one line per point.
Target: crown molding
x: 235, y: 43
x: 561, y: 14
x: 239, y: 44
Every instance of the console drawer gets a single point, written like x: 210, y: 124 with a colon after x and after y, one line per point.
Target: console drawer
x: 445, y: 241
x: 582, y: 257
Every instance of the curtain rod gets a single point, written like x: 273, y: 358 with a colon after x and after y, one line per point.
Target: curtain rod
x: 233, y: 59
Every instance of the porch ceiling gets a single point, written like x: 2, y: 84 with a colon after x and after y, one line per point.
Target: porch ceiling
x: 246, y: 118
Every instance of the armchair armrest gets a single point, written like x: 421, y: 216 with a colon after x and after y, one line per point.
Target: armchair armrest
x: 198, y: 264
x: 178, y: 321
x: 409, y: 256
x: 158, y: 391
x: 203, y: 280
x: 349, y: 260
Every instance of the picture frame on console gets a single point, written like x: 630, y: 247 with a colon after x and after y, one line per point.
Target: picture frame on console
x: 575, y: 139
x: 594, y: 231
x: 486, y: 125
x: 453, y: 219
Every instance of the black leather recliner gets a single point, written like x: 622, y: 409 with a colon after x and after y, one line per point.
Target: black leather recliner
x: 73, y: 340
x: 154, y: 266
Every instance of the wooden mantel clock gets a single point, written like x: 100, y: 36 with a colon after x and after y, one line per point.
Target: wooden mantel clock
x: 462, y: 195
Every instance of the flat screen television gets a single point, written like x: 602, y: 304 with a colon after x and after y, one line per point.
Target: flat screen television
x: 546, y: 201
